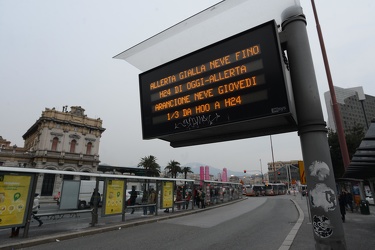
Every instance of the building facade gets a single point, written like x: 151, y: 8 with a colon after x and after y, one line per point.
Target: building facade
x: 283, y: 172
x: 356, y: 108
x: 58, y: 140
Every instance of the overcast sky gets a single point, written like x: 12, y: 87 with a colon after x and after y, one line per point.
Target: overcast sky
x: 57, y: 53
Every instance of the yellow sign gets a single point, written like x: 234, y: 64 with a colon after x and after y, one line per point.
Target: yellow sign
x: 167, y: 189
x: 302, y: 174
x: 14, y: 192
x: 114, y: 197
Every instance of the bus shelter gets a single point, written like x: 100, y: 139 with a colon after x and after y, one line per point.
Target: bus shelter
x: 18, y: 185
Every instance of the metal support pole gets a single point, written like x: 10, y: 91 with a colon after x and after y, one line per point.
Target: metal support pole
x: 125, y: 201
x: 157, y: 185
x: 30, y: 208
x: 325, y: 213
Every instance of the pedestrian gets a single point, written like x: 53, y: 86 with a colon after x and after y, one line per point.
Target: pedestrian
x: 196, y: 197
x: 349, y: 201
x: 178, y: 198
x: 188, y: 198
x: 202, y: 196
x: 133, y: 197
x: 95, y: 195
x: 15, y: 232
x: 36, y: 207
x: 342, y: 204
x: 152, y: 200
x: 145, y: 201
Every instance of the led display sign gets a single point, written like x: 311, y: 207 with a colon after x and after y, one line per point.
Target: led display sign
x: 232, y: 89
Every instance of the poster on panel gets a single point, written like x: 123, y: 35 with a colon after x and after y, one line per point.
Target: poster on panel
x: 15, y: 191
x: 114, y: 197
x: 167, y: 194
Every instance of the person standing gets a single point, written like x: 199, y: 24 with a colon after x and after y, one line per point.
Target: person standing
x: 36, y: 207
x: 15, y: 232
x: 95, y: 195
x: 152, y: 200
x: 196, y: 197
x: 188, y: 198
x: 133, y: 197
x: 178, y: 198
x: 145, y: 198
x: 202, y: 199
x: 342, y: 204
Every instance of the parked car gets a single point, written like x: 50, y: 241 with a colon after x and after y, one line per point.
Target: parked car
x: 370, y: 200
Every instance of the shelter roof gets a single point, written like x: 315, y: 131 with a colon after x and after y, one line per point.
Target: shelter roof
x: 362, y: 165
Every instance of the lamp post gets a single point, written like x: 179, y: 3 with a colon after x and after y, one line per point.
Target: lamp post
x: 261, y: 170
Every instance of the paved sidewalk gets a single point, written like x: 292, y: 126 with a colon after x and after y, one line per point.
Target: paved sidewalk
x: 68, y: 228
x: 359, y: 229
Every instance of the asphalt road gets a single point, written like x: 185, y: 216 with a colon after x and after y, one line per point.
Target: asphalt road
x: 256, y: 223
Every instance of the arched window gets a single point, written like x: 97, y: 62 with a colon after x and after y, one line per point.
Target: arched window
x: 55, y: 141
x: 73, y: 146
x: 88, y: 149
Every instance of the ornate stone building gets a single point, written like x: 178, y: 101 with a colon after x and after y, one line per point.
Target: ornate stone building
x: 58, y: 140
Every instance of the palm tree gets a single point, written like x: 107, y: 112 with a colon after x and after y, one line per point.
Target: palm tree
x: 151, y: 167
x: 173, y: 168
x: 186, y: 170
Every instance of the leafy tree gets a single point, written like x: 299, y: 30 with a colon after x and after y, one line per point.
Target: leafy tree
x: 173, y: 168
x: 353, y: 139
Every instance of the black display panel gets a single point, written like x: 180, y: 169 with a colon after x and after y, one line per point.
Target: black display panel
x: 236, y: 80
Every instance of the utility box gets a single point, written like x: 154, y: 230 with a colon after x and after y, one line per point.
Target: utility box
x: 364, y: 206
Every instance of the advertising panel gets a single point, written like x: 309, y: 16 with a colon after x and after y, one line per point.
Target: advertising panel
x: 114, y: 197
x: 302, y: 175
x: 14, y: 197
x: 167, y: 192
x: 69, y: 194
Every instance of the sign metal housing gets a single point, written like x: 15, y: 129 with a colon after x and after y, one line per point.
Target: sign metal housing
x: 233, y: 89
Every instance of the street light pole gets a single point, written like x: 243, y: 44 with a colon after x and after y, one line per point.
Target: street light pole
x: 261, y: 170
x: 273, y: 162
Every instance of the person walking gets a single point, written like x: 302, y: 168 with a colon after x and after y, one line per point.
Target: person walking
x: 36, y: 207
x: 342, y: 204
x: 349, y: 201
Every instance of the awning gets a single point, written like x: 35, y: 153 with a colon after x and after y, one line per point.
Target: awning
x: 362, y: 165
